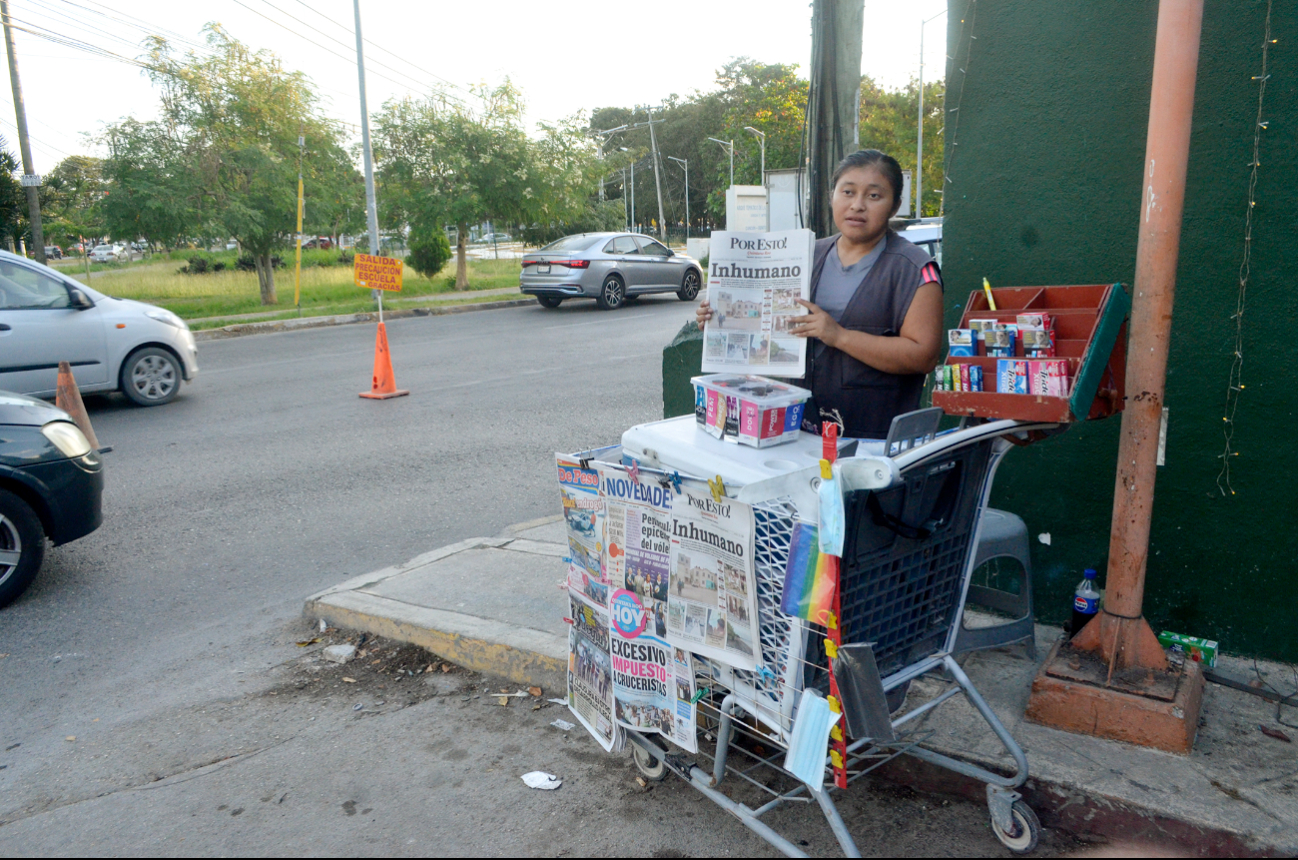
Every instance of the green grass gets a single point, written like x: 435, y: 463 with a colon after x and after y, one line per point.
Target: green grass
x: 325, y: 289
x: 77, y: 265
x: 353, y: 307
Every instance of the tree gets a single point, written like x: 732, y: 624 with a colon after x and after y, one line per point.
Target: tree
x: 773, y: 99
x: 12, y: 197
x: 443, y: 162
x: 72, y: 209
x: 222, y: 160
x: 429, y: 252
x: 888, y: 124
x: 152, y: 189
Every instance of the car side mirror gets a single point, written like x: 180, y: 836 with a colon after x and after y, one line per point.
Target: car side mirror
x: 671, y: 253
x: 79, y: 300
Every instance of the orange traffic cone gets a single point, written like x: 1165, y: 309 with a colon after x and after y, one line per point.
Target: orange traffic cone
x: 385, y: 383
x: 68, y: 398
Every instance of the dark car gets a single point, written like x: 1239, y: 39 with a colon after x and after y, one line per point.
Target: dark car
x: 51, y: 486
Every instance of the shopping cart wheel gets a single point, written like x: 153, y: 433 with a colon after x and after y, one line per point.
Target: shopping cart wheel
x: 654, y: 770
x: 1027, y: 829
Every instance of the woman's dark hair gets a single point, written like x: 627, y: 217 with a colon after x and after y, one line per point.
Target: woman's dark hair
x: 885, y: 164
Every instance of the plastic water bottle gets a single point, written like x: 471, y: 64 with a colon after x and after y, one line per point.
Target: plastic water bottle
x: 1086, y: 601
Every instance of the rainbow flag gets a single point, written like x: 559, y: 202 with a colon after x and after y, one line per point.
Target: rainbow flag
x: 809, y: 582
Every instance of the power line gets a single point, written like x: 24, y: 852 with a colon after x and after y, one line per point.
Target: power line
x: 391, y: 53
x: 313, y: 42
x: 49, y: 149
x: 101, y: 52
x: 340, y: 42
x: 67, y: 20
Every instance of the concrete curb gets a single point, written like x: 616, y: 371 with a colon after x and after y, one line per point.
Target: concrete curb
x: 271, y: 326
x: 519, y: 654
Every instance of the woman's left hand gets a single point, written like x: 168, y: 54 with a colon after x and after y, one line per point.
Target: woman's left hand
x: 818, y: 324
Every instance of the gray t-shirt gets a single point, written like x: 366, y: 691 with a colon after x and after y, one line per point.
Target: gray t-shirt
x: 838, y: 284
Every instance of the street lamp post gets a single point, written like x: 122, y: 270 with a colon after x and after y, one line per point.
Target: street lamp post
x: 631, y: 214
x: 686, y: 164
x: 762, y: 136
x: 728, y: 146
x: 603, y: 137
x: 919, y: 146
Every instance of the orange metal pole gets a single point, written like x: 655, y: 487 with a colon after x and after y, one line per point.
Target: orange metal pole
x: 1120, y: 632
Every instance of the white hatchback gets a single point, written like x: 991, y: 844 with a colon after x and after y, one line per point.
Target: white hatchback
x: 112, y: 344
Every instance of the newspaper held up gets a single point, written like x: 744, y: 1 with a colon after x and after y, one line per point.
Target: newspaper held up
x: 754, y: 282
x: 653, y: 683
x: 712, y: 590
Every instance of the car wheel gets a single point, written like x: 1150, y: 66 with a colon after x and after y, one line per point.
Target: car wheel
x: 151, y: 376
x: 612, y: 293
x: 22, y: 546
x: 689, y: 290
x: 549, y: 301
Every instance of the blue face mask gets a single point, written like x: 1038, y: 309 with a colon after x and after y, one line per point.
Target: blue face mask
x: 831, y: 511
x: 809, y: 745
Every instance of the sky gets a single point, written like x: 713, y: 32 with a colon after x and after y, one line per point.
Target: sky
x: 565, y: 56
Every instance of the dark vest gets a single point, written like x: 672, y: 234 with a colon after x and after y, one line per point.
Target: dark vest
x: 866, y: 400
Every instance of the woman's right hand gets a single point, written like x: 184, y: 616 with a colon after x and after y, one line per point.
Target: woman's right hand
x: 703, y: 313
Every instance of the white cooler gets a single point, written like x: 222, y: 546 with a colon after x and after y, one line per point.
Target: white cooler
x: 680, y: 445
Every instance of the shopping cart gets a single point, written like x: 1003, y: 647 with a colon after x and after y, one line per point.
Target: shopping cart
x: 913, y: 522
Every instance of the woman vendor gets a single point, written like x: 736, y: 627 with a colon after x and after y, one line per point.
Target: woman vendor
x: 875, y: 315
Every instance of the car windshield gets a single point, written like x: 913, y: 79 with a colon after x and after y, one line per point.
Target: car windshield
x: 571, y: 243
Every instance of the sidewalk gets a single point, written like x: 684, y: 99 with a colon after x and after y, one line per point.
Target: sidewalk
x: 495, y: 605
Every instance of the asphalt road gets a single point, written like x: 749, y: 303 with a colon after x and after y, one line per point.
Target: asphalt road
x: 148, y: 674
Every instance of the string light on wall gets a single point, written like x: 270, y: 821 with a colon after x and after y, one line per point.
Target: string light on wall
x: 1235, y: 383
x: 953, y: 114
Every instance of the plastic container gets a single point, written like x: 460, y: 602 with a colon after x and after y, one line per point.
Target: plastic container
x: 751, y: 410
x: 1086, y: 601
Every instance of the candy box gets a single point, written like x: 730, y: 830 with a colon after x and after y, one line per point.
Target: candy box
x: 962, y: 341
x: 1048, y: 377
x: 1199, y: 650
x: 751, y: 410
x: 980, y: 329
x: 1011, y: 376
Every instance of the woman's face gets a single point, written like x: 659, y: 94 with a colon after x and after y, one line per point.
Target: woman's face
x: 862, y: 204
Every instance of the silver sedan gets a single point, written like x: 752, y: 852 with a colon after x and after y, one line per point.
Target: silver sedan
x: 609, y: 268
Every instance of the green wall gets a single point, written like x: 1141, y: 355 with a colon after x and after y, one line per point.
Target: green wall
x: 1045, y: 162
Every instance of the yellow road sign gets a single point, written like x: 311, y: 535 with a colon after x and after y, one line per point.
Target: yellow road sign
x: 377, y: 273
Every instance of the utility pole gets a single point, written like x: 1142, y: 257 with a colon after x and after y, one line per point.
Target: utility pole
x: 297, y: 272
x: 653, y: 144
x: 686, y: 164
x: 835, y: 99
x: 762, y: 136
x: 371, y: 204
x: 633, y: 224
x: 919, y: 146
x: 31, y: 182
